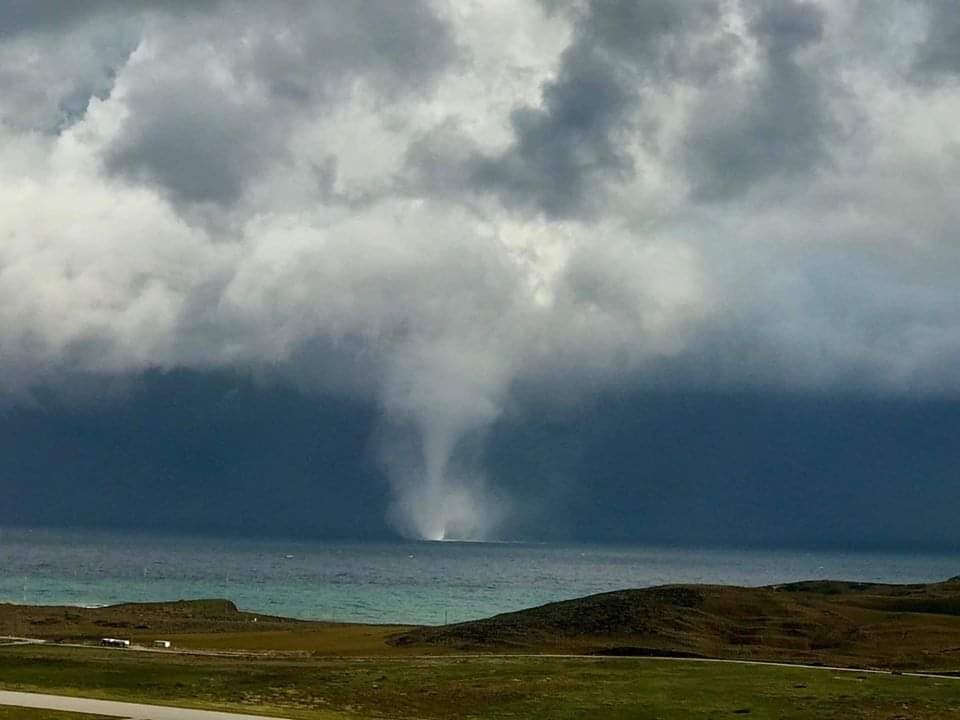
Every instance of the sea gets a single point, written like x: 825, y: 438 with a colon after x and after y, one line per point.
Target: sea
x: 397, y: 582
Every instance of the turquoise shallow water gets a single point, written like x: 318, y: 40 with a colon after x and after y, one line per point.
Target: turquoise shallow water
x: 408, y: 582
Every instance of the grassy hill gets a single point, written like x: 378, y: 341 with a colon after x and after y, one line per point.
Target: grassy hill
x: 853, y: 624
x: 906, y: 627
x: 133, y: 620
x: 198, y: 625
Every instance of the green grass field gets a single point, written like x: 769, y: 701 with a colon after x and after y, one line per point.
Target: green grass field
x: 479, y: 687
x: 276, y: 666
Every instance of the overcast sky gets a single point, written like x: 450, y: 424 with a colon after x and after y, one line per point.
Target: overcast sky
x: 455, y: 218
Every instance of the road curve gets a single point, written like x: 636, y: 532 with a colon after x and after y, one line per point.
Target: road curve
x: 126, y: 710
x: 944, y: 675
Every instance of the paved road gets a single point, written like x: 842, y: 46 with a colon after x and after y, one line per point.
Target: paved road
x: 946, y: 675
x: 10, y: 640
x: 129, y: 711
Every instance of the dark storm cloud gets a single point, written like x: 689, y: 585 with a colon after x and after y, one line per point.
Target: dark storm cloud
x: 55, y: 57
x: 426, y: 205
x: 56, y: 16
x: 939, y: 54
x: 185, y: 451
x: 314, y: 48
x: 582, y: 136
x: 191, y: 139
x: 188, y: 451
x: 775, y: 126
x: 566, y: 149
x: 202, y: 138
x: 17, y: 16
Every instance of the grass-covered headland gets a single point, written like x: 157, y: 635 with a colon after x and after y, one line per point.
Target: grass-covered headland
x: 502, y: 668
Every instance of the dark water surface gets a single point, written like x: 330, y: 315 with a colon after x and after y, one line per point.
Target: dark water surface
x: 409, y: 582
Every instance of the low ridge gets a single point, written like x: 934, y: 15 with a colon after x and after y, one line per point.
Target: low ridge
x: 828, y: 622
